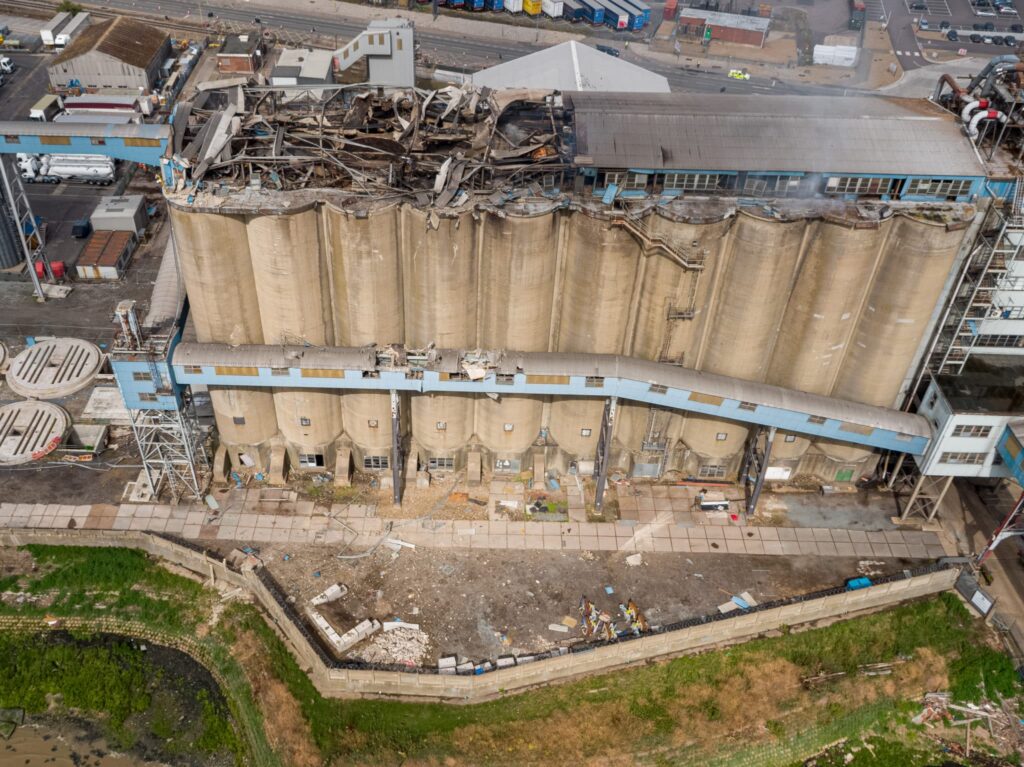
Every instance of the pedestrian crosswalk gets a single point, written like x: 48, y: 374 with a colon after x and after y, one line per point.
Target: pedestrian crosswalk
x: 908, y: 53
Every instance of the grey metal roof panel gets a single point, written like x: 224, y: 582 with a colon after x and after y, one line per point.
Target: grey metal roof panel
x: 33, y: 128
x: 571, y: 66
x: 854, y: 134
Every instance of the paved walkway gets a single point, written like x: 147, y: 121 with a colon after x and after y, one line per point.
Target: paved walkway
x: 357, y: 527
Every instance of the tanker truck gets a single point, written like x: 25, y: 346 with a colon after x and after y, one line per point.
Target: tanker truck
x: 53, y: 168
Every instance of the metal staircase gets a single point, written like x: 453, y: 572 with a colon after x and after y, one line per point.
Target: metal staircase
x: 654, y: 244
x: 974, y: 298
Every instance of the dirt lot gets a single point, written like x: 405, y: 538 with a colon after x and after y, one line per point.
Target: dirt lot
x: 482, y: 604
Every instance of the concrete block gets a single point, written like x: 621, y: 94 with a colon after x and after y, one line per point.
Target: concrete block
x: 448, y: 661
x: 474, y: 470
x: 278, y: 458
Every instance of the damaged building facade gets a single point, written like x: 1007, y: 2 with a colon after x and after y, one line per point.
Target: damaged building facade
x: 807, y: 243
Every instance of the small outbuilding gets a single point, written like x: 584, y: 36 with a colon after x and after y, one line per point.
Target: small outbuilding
x: 242, y: 54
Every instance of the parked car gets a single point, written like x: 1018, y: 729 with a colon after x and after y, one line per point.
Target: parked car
x: 923, y: 24
x: 952, y: 36
x: 988, y: 26
x: 986, y: 40
x: 975, y: 38
x: 977, y: 27
x: 608, y: 49
x: 943, y: 25
x: 739, y: 74
x: 917, y: 6
x: 1017, y: 29
x: 1010, y: 40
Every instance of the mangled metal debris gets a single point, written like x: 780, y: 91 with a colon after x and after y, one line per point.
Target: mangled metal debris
x: 442, y: 146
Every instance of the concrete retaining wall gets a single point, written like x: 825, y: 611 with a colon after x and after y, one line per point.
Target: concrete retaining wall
x: 427, y: 685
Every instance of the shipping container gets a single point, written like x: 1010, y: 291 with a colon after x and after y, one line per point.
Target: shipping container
x: 552, y: 8
x: 615, y: 16
x: 495, y: 5
x: 514, y: 6
x: 532, y: 7
x: 636, y: 13
x: 591, y: 11
x: 475, y: 5
x: 571, y: 11
x: 48, y: 34
x: 670, y: 9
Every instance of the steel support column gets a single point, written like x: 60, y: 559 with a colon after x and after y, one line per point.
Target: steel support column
x: 762, y: 468
x: 1011, y: 526
x: 895, y: 471
x: 396, y: 449
x: 604, y: 442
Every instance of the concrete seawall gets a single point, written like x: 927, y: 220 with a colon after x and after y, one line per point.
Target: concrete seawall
x: 427, y: 685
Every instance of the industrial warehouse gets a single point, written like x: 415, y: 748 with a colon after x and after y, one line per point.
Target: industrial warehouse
x: 370, y: 343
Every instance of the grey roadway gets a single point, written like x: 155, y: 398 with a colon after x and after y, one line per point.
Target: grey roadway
x: 446, y: 50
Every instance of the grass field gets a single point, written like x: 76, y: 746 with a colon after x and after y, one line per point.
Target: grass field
x: 742, y: 706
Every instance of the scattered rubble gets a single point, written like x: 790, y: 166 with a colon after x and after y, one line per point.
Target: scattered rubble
x: 331, y: 594
x: 402, y: 644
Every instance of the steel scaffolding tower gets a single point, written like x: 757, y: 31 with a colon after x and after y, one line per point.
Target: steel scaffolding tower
x: 171, y: 443
x: 29, y: 234
x: 974, y: 299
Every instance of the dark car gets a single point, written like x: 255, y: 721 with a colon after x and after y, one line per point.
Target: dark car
x: 952, y: 36
x: 943, y: 25
x: 975, y: 38
x: 998, y: 40
x: 988, y: 26
x: 1010, y: 40
x: 609, y: 50
x: 1017, y: 28
x: 978, y: 27
x: 918, y: 7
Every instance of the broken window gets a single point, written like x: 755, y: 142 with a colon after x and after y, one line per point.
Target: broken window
x: 440, y: 464
x: 963, y: 459
x: 816, y: 419
x: 971, y: 430
x: 238, y: 420
x: 376, y: 462
x: 137, y: 376
x: 711, y: 471
x: 311, y: 460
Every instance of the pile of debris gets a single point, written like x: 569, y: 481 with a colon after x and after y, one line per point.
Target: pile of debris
x: 435, y: 146
x: 405, y: 645
x: 997, y: 724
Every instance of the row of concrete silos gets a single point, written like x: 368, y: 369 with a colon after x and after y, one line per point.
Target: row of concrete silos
x: 827, y: 305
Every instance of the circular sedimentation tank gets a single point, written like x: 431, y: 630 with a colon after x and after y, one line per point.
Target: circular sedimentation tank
x: 30, y: 430
x: 54, y: 368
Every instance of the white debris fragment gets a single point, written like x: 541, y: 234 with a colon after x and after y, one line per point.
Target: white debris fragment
x: 332, y: 593
x: 634, y: 559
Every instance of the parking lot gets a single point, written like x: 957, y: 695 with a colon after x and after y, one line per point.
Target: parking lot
x: 58, y: 205
x: 913, y: 40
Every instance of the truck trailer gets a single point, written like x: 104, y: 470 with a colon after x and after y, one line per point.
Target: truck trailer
x: 49, y: 32
x: 93, y: 169
x: 46, y: 109
x: 75, y: 27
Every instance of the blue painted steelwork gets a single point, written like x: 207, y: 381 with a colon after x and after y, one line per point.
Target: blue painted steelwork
x: 144, y: 144
x: 363, y: 375
x: 1012, y: 453
x: 148, y: 384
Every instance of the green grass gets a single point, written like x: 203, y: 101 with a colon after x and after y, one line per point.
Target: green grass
x: 421, y: 730
x: 121, y: 583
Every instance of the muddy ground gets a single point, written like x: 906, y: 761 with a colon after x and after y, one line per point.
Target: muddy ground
x: 482, y: 604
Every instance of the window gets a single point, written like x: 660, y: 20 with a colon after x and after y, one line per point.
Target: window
x: 585, y: 432
x: 636, y: 181
x: 971, y: 430
x: 307, y: 373
x: 692, y: 182
x: 747, y: 406
x: 311, y: 460
x: 1012, y: 313
x: 505, y: 379
x: 937, y: 187
x: 440, y: 464
x: 861, y: 185
x: 55, y: 140
x: 770, y: 184
x: 457, y: 376
x: 705, y: 399
x: 711, y: 471
x: 371, y: 462
x: 1002, y: 341
x: 137, y: 376
x: 238, y: 420
x: 141, y: 142
x: 12, y: 139
x: 279, y: 371
x: 614, y: 177
x: 372, y: 423
x: 509, y: 427
x: 721, y: 436
x: 816, y: 419
x: 594, y: 382
x: 963, y: 459
x: 98, y: 141
x: 304, y: 422
x: 790, y: 438
x: 193, y: 370
x: 541, y: 379
x: 235, y: 370
x: 398, y: 43
x: 658, y: 389
x: 147, y: 397
x: 442, y: 425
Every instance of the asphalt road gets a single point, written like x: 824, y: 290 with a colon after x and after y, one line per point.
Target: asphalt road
x: 452, y: 51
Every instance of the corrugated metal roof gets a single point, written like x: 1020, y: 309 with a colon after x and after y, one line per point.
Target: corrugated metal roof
x: 851, y: 134
x: 574, y: 67
x: 33, y: 128
x: 126, y: 40
x: 732, y: 20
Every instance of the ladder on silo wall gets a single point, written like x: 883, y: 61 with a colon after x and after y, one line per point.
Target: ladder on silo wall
x: 655, y: 243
